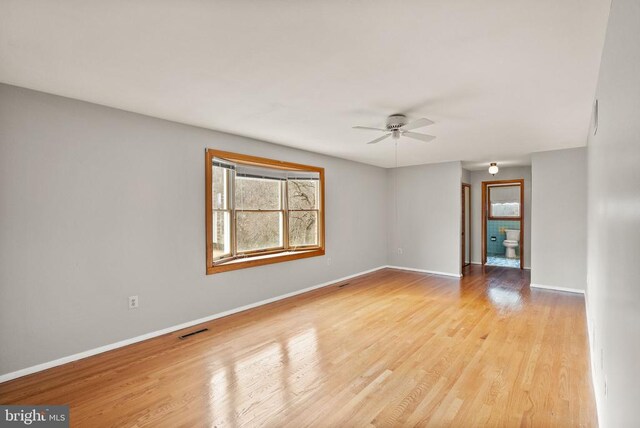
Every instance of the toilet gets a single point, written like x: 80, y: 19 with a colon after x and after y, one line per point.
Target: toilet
x: 511, y: 243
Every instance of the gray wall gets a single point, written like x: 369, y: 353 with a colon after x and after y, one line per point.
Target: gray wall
x: 559, y: 218
x: 426, y: 221
x: 97, y: 204
x: 614, y: 222
x: 466, y: 176
x: 477, y: 177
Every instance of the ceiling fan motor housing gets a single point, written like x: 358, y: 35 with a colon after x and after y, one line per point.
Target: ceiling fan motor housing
x: 395, y: 121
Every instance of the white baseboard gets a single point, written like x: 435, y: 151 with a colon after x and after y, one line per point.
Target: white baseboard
x: 64, y: 360
x: 433, y: 272
x: 554, y: 288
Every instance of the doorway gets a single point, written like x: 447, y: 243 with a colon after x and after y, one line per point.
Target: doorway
x: 466, y: 225
x: 503, y: 223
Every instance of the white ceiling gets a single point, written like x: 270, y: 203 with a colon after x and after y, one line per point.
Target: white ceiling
x: 501, y: 79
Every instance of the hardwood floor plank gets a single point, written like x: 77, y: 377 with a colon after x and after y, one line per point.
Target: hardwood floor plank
x: 391, y: 348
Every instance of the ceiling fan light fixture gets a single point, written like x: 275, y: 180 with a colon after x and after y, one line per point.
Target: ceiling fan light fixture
x: 493, y: 168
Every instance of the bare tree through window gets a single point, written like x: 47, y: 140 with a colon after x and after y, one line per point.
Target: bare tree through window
x: 260, y: 207
x: 260, y: 214
x: 303, y: 212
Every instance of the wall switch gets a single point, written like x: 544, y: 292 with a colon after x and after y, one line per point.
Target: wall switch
x: 606, y: 390
x: 133, y: 302
x: 328, y: 261
x: 399, y: 250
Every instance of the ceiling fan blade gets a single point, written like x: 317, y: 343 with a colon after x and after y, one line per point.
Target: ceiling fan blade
x: 422, y: 137
x: 370, y: 128
x: 418, y: 123
x: 377, y: 140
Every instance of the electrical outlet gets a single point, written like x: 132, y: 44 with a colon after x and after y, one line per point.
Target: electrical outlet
x: 133, y: 302
x: 399, y: 250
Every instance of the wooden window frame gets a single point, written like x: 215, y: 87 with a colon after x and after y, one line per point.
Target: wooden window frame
x: 229, y: 202
x: 261, y: 257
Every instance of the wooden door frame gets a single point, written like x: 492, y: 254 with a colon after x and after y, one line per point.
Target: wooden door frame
x: 485, y: 186
x: 465, y: 231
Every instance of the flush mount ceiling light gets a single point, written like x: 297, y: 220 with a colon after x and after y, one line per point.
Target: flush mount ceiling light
x: 493, y: 168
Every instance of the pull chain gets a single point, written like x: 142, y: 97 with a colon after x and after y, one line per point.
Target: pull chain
x: 395, y: 184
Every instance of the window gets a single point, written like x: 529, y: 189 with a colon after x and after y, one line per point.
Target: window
x: 261, y: 211
x: 504, y: 202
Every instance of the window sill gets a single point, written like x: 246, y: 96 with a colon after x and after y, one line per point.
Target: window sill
x: 265, y: 259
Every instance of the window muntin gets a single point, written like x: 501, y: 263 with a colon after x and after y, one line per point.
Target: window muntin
x: 260, y: 209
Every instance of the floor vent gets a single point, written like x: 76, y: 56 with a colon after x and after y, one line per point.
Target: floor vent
x: 184, y: 336
x: 342, y: 285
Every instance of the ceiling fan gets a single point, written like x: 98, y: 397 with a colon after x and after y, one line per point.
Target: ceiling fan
x: 398, y: 126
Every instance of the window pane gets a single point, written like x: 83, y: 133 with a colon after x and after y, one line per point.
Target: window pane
x: 303, y: 228
x: 505, y: 201
x: 507, y: 209
x: 303, y: 194
x: 221, y: 234
x: 258, y: 194
x: 220, y: 194
x: 259, y: 230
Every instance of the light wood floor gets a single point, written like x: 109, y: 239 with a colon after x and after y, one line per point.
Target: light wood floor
x: 392, y: 348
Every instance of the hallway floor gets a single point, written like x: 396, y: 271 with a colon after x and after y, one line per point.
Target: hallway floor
x: 503, y: 261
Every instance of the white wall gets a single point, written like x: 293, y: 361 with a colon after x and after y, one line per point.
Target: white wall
x: 97, y: 204
x: 614, y: 222
x: 425, y: 223
x: 559, y: 218
x: 477, y: 177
